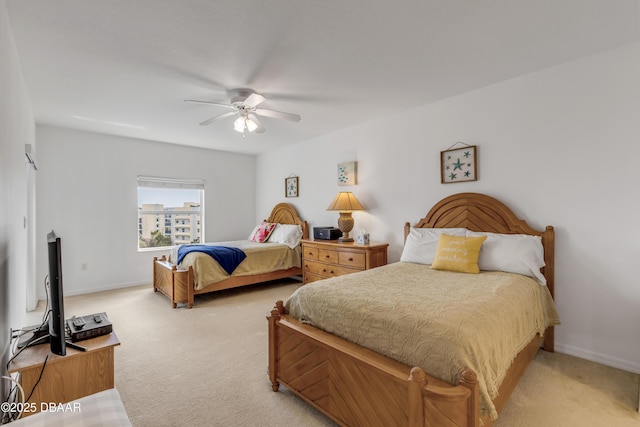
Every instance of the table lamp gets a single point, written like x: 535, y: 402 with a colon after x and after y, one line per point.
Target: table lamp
x: 345, y: 203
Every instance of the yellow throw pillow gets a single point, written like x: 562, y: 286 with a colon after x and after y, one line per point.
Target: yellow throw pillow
x: 458, y: 253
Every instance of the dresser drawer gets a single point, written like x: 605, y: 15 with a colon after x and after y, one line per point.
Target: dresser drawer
x: 352, y: 259
x: 309, y: 266
x: 309, y: 252
x: 326, y: 255
x: 325, y: 270
x: 310, y: 277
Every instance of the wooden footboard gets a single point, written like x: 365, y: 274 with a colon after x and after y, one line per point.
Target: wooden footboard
x: 356, y: 386
x: 179, y: 286
x: 176, y: 284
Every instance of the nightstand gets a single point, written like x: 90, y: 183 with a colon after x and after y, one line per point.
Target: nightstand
x: 65, y: 378
x: 329, y: 258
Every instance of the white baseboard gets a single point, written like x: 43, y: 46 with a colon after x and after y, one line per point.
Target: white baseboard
x: 604, y: 359
x: 82, y: 291
x: 105, y: 288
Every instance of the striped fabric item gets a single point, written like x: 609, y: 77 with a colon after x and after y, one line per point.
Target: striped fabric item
x: 100, y: 409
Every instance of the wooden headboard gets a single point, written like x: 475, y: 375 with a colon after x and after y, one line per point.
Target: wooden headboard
x: 284, y: 213
x: 479, y: 212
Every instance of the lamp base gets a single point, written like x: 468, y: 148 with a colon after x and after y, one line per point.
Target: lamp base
x: 345, y: 224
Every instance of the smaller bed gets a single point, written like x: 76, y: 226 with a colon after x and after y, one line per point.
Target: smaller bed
x: 199, y: 273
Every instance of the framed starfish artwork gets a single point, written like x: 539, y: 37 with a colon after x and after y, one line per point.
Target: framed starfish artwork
x: 459, y: 165
x: 291, y: 186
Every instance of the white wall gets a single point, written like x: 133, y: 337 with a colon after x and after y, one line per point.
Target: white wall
x: 16, y: 129
x: 87, y: 193
x: 559, y: 146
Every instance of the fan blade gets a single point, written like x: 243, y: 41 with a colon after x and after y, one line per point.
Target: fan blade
x: 221, y: 116
x: 277, y: 114
x: 210, y: 103
x: 253, y: 100
x: 260, y: 128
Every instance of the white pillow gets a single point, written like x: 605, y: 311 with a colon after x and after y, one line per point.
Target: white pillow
x: 422, y: 243
x: 289, y: 234
x: 513, y: 253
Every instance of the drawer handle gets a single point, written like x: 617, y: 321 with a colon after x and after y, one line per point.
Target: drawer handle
x: 350, y: 259
x: 331, y: 272
x: 324, y: 270
x: 327, y: 256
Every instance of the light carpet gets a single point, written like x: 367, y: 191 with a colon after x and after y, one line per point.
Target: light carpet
x: 207, y: 367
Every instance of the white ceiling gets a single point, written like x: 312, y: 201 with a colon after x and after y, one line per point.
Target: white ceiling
x: 125, y: 67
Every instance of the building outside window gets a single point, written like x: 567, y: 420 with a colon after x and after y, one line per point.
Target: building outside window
x: 169, y: 212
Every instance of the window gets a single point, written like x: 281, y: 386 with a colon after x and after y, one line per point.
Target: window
x: 166, y: 209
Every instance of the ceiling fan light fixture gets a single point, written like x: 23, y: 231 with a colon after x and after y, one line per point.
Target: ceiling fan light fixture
x: 244, y: 102
x: 239, y: 125
x: 243, y: 123
x: 251, y: 125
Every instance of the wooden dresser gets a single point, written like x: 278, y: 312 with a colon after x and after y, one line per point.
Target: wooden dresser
x: 329, y: 258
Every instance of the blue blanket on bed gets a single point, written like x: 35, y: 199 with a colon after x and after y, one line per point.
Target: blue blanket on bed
x: 228, y: 258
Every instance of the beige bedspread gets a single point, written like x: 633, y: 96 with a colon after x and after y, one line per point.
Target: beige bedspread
x: 440, y: 321
x: 261, y: 258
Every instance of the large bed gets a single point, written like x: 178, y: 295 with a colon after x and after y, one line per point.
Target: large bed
x: 199, y: 273
x: 461, y: 375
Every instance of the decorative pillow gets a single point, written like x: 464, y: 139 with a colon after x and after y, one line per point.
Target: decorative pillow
x: 264, y: 231
x: 289, y: 234
x: 513, y: 253
x: 422, y: 243
x: 458, y: 253
x: 253, y: 233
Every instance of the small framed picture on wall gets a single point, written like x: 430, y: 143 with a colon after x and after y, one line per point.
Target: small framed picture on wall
x: 347, y: 173
x: 458, y: 165
x: 291, y: 186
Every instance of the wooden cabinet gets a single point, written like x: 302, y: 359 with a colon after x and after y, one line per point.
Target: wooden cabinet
x: 329, y: 258
x: 61, y: 379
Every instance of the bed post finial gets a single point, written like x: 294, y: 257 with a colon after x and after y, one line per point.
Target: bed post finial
x: 278, y: 311
x: 279, y: 307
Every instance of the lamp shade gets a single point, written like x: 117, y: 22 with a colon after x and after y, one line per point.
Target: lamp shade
x: 345, y: 201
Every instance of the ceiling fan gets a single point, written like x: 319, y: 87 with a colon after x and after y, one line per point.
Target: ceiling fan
x: 244, y: 103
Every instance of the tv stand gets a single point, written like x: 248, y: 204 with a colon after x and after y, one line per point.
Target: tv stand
x: 66, y: 378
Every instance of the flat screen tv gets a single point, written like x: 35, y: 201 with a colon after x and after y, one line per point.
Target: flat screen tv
x: 56, y: 296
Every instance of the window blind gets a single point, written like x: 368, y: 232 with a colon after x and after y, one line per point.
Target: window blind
x: 158, y: 182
